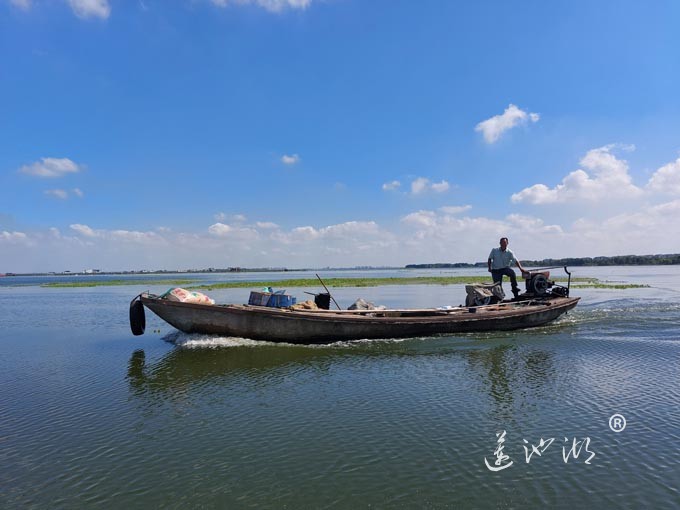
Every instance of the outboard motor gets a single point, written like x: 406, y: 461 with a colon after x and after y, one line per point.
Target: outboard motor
x: 538, y: 283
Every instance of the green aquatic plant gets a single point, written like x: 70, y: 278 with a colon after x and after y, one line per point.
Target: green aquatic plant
x: 361, y: 282
x: 605, y: 285
x: 330, y: 282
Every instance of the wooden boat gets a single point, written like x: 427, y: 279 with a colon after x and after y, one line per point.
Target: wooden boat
x: 325, y: 326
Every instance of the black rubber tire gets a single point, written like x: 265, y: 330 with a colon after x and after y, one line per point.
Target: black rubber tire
x: 137, y: 318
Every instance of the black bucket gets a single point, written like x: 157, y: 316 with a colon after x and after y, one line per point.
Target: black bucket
x: 323, y: 300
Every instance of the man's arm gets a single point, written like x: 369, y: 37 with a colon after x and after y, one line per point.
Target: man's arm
x: 519, y: 266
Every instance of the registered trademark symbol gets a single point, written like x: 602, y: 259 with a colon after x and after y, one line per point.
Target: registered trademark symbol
x: 617, y: 423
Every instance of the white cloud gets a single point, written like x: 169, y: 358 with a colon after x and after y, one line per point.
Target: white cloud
x: 235, y: 218
x: 266, y: 225
x: 340, y: 233
x: 270, y: 5
x: 455, y: 209
x: 90, y: 8
x: 233, y: 232
x: 531, y: 224
x: 21, y: 4
x: 666, y: 179
x: 57, y: 193
x: 302, y: 234
x: 220, y: 229
x: 493, y: 128
x: 51, y: 167
x: 391, y: 186
x: 441, y: 235
x: 422, y: 185
x: 12, y: 237
x: 83, y: 230
x: 440, y: 187
x: 290, y: 160
x: 608, y: 180
x: 421, y: 218
x: 118, y: 235
x: 63, y: 194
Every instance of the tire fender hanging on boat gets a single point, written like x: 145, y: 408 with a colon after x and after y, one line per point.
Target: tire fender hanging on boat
x: 137, y: 317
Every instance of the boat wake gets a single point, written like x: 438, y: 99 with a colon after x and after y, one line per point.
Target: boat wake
x: 202, y: 341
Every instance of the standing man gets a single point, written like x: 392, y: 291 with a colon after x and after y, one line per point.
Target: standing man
x: 500, y: 260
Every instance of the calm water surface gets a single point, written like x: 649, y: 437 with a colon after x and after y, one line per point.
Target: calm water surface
x: 92, y: 417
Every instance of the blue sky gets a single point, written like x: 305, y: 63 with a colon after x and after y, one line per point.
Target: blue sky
x: 307, y: 133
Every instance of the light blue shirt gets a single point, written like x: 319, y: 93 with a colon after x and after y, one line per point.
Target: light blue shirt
x: 501, y: 259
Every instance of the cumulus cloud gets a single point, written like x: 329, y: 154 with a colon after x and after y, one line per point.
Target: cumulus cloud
x: 231, y: 231
x: 421, y: 218
x: 90, y: 8
x: 455, y: 209
x: 266, y: 225
x: 422, y: 185
x: 666, y: 179
x: 83, y: 230
x: 220, y: 229
x: 608, y: 179
x: 117, y: 235
x: 12, y: 237
x: 78, y: 192
x: 51, y: 167
x: 57, y: 193
x: 493, y: 128
x: 270, y: 5
x: 290, y: 160
x: 391, y: 186
x: 341, y: 233
x: 440, y: 187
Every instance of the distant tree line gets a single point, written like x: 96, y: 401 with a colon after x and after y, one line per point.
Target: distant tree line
x: 618, y: 260
x: 444, y: 265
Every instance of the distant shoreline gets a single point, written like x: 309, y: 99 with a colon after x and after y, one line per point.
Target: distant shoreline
x: 618, y: 260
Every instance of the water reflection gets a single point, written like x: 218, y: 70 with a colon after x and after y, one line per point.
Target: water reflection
x: 514, y: 375
x: 182, y: 368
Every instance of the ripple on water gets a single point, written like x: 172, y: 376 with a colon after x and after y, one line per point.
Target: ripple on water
x: 219, y: 421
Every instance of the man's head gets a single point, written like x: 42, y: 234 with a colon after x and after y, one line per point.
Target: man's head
x: 504, y: 243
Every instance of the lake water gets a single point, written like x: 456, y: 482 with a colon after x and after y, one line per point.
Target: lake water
x: 93, y: 417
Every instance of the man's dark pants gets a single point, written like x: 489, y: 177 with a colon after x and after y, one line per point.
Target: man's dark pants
x: 497, y: 275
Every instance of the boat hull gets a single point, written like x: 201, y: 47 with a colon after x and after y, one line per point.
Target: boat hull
x: 325, y: 326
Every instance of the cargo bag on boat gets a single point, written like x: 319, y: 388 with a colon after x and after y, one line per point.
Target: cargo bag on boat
x: 186, y: 296
x: 278, y: 299
x: 362, y: 304
x: 479, y: 294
